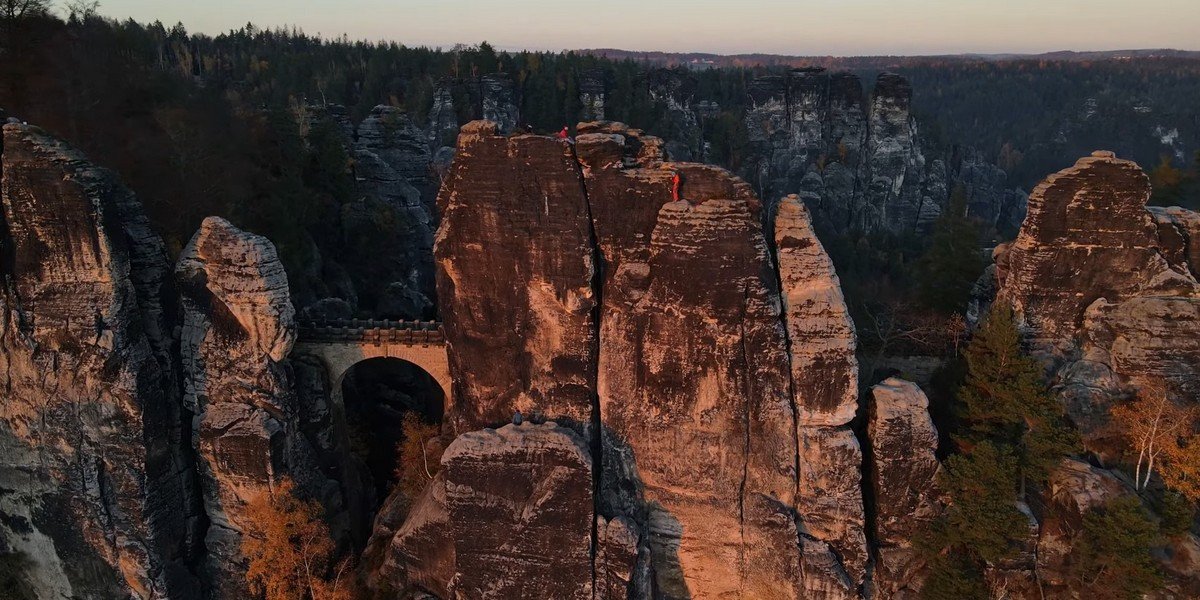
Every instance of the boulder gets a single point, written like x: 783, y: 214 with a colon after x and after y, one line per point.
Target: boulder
x: 520, y: 512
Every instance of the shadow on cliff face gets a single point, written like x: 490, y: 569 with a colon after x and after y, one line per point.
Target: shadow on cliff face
x: 378, y: 394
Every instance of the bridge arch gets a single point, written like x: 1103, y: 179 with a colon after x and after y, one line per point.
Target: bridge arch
x: 342, y: 344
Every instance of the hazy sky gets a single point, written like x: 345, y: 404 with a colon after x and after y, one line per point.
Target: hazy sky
x: 838, y: 27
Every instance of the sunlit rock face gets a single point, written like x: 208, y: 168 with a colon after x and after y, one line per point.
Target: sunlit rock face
x: 693, y: 367
x: 1103, y: 288
x: 515, y: 270
x: 520, y: 506
x: 98, y: 496
x: 638, y: 302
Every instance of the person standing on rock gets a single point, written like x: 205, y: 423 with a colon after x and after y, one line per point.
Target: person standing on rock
x: 565, y: 134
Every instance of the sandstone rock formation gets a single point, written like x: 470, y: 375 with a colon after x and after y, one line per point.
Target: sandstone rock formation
x: 499, y: 101
x: 520, y: 508
x: 903, y: 478
x: 1103, y: 288
x: 674, y: 92
x: 820, y: 332
x: 515, y: 269
x: 510, y: 515
x: 97, y: 492
x: 857, y: 161
x: 675, y: 356
x: 688, y: 357
x: 237, y: 328
x: 395, y: 211
x: 249, y: 428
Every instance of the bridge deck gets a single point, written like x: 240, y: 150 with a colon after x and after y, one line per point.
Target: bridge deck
x: 372, y: 331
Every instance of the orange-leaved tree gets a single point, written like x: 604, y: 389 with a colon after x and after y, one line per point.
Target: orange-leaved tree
x: 417, y: 459
x: 1157, y: 427
x: 290, y: 551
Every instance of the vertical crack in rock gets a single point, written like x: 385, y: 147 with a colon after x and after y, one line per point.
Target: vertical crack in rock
x: 824, y: 384
x: 515, y: 271
x: 690, y: 292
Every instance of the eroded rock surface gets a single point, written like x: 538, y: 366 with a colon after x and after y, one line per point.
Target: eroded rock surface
x: 693, y: 367
x: 515, y: 270
x: 904, y: 480
x: 1103, y: 288
x: 856, y: 159
x: 250, y: 427
x: 520, y: 508
x: 97, y: 493
x: 820, y: 332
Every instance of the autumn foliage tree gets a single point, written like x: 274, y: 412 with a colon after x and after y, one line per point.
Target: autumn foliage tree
x: 416, y: 461
x: 291, y: 554
x: 1155, y: 424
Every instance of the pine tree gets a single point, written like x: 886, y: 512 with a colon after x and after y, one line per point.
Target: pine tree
x: 1112, y: 558
x: 950, y: 266
x: 1005, y: 401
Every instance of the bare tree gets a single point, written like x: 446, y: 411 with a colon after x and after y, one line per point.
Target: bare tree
x: 11, y: 10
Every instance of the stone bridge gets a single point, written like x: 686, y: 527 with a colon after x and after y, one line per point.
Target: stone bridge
x: 341, y: 344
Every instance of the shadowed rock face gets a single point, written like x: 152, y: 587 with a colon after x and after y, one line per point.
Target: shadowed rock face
x: 856, y: 161
x: 238, y: 326
x: 515, y: 266
x: 904, y: 480
x: 250, y: 427
x: 98, y: 495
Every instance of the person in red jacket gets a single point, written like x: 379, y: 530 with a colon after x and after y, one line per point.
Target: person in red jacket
x: 676, y: 181
x: 564, y: 134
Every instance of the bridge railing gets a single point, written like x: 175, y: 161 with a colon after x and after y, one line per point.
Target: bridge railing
x: 381, y: 331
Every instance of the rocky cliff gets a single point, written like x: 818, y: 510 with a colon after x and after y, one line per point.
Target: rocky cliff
x: 579, y: 282
x: 141, y: 410
x: 1103, y: 287
x: 858, y: 161
x: 98, y: 494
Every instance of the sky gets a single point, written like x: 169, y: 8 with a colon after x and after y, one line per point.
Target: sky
x: 799, y: 27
